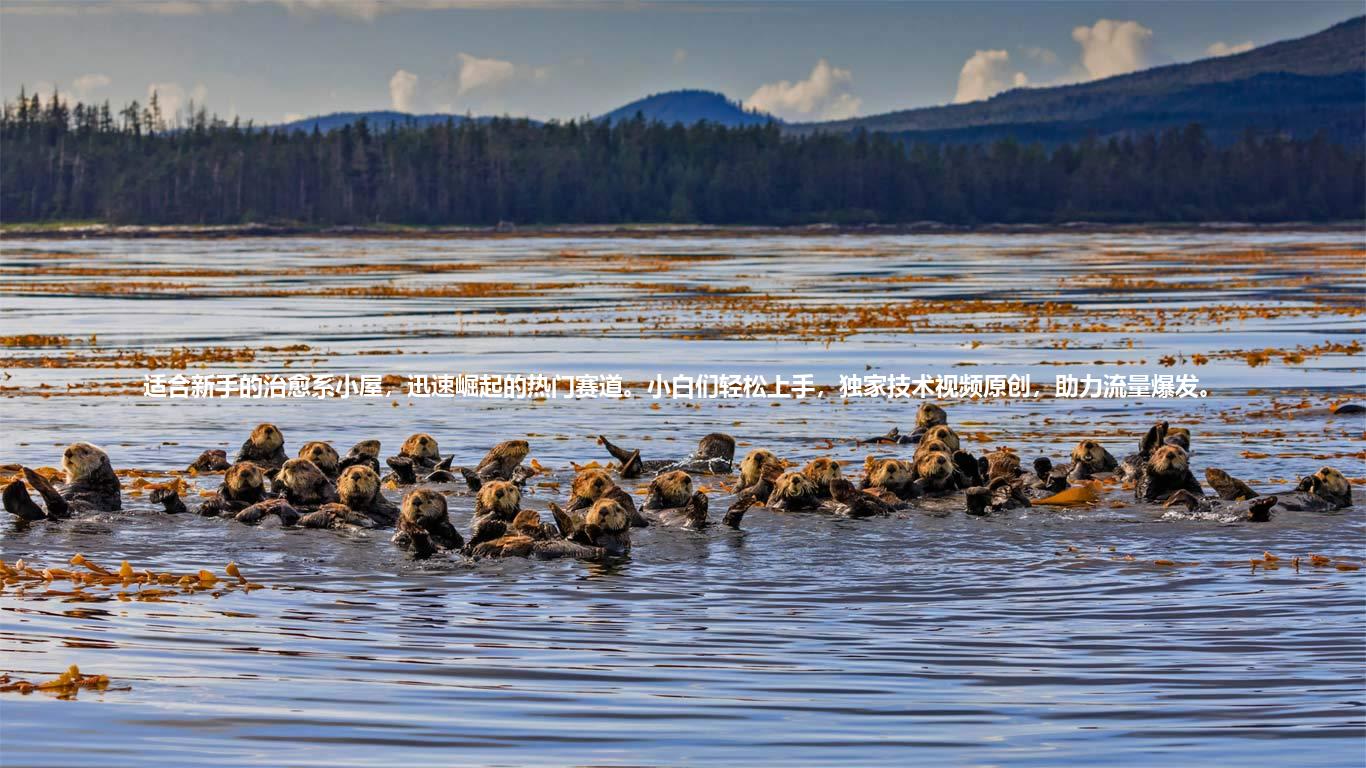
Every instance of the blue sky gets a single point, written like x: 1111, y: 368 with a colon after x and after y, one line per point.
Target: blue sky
x: 271, y: 59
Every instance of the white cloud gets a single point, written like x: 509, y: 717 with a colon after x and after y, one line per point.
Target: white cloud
x: 292, y: 117
x: 403, y: 90
x: 85, y: 84
x: 478, y: 73
x: 1042, y: 55
x: 824, y: 95
x: 680, y: 55
x: 1222, y: 48
x: 171, y: 97
x: 986, y: 74
x: 1110, y: 47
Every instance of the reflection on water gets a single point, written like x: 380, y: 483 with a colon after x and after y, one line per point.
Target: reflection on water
x: 1027, y: 638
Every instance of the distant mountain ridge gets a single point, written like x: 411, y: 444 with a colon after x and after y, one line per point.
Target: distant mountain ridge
x: 1301, y: 82
x: 688, y: 107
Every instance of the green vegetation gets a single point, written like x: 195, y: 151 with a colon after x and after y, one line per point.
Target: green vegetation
x: 63, y: 163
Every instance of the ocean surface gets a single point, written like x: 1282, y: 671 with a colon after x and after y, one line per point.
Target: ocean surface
x: 1110, y: 634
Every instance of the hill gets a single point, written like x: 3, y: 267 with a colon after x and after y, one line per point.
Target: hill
x: 1294, y: 86
x: 688, y: 107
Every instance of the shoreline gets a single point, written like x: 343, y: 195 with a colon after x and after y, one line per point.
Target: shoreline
x: 56, y: 231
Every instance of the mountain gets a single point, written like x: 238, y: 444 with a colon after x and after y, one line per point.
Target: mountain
x: 1295, y: 86
x: 688, y: 107
x: 377, y: 120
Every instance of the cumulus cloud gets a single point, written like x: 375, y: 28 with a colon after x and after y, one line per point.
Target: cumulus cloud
x: 986, y: 74
x: 824, y: 94
x: 87, y: 84
x: 478, y: 73
x: 1110, y: 47
x: 403, y: 90
x: 1222, y: 48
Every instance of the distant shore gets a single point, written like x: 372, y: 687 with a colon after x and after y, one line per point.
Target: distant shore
x: 81, y: 230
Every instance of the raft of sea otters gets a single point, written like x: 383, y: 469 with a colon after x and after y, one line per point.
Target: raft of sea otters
x: 322, y: 489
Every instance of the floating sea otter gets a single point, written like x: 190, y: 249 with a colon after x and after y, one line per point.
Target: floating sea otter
x: 1325, y: 490
x: 360, y: 503
x: 419, y: 459
x: 323, y: 456
x: 265, y: 447
x: 424, y: 525
x: 590, y: 485
x: 714, y: 456
x: 502, y: 462
x: 91, y: 486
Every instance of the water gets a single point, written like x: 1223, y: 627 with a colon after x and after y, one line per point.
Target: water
x: 1036, y: 637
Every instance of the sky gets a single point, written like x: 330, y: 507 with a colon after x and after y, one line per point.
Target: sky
x: 276, y: 60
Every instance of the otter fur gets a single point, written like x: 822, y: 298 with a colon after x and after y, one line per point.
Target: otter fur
x: 592, y: 484
x: 303, y: 485
x: 424, y: 525
x: 265, y: 447
x: 323, y: 456
x: 91, y: 486
x: 822, y: 471
x: 366, y: 453
x: 1165, y: 471
x: 714, y: 455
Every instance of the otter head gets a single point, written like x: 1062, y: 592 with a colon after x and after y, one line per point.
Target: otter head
x: 245, y: 481
x: 1168, y: 460
x: 889, y: 473
x: 608, y: 516
x: 358, y: 486
x: 753, y: 468
x: 717, y: 445
x: 935, y: 467
x: 590, y: 484
x: 1089, y: 453
x: 83, y: 460
x: 367, y: 448
x: 515, y: 450
x: 267, y: 438
x: 1328, y: 483
x: 424, y: 507
x: 822, y: 471
x: 421, y: 446
x: 793, y: 490
x: 1179, y: 436
x: 501, y: 498
x: 302, y: 480
x: 931, y: 445
x: 322, y: 455
x: 671, y: 489
x: 944, y: 434
x: 1002, y: 464
x: 930, y: 415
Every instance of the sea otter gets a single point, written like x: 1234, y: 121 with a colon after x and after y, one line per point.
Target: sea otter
x: 1325, y: 490
x: 592, y: 484
x: 928, y: 415
x: 794, y: 492
x: 91, y: 486
x: 365, y: 452
x: 424, y: 525
x: 714, y: 455
x: 670, y: 490
x: 822, y: 471
x: 1046, y: 479
x: 495, y: 508
x: 758, y: 465
x: 1158, y: 435
x: 244, y: 484
x: 419, y: 457
x: 937, y: 473
x: 1166, y: 470
x: 212, y: 460
x: 265, y: 447
x: 849, y: 501
x: 323, y: 456
x: 1002, y: 487
x: 1090, y: 458
x: 892, y: 476
x: 303, y: 485
x: 606, y: 527
x: 502, y: 462
x: 360, y: 502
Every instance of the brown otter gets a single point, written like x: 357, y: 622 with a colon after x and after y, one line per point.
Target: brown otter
x: 358, y: 490
x: 822, y: 471
x: 1047, y: 480
x: 691, y: 515
x: 795, y: 492
x: 606, y: 527
x: 1090, y: 458
x: 323, y: 456
x: 212, y: 460
x: 998, y: 495
x: 280, y: 508
x: 265, y: 447
x: 927, y: 416
x: 765, y: 471
x: 495, y: 507
x: 244, y: 484
x: 1157, y: 435
x: 936, y: 473
x: 424, y: 525
x: 418, y: 455
x: 91, y: 486
x: 502, y: 462
x: 1325, y: 490
x: 365, y: 452
x: 304, y: 485
x: 669, y: 490
x: 944, y: 434
x: 852, y: 502
x: 896, y: 476
x: 1166, y: 470
x: 335, y: 515
x: 714, y: 456
x: 592, y: 484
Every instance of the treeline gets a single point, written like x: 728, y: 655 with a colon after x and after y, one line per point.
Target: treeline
x: 59, y: 162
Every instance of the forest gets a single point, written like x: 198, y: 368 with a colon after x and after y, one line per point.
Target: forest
x: 137, y: 166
